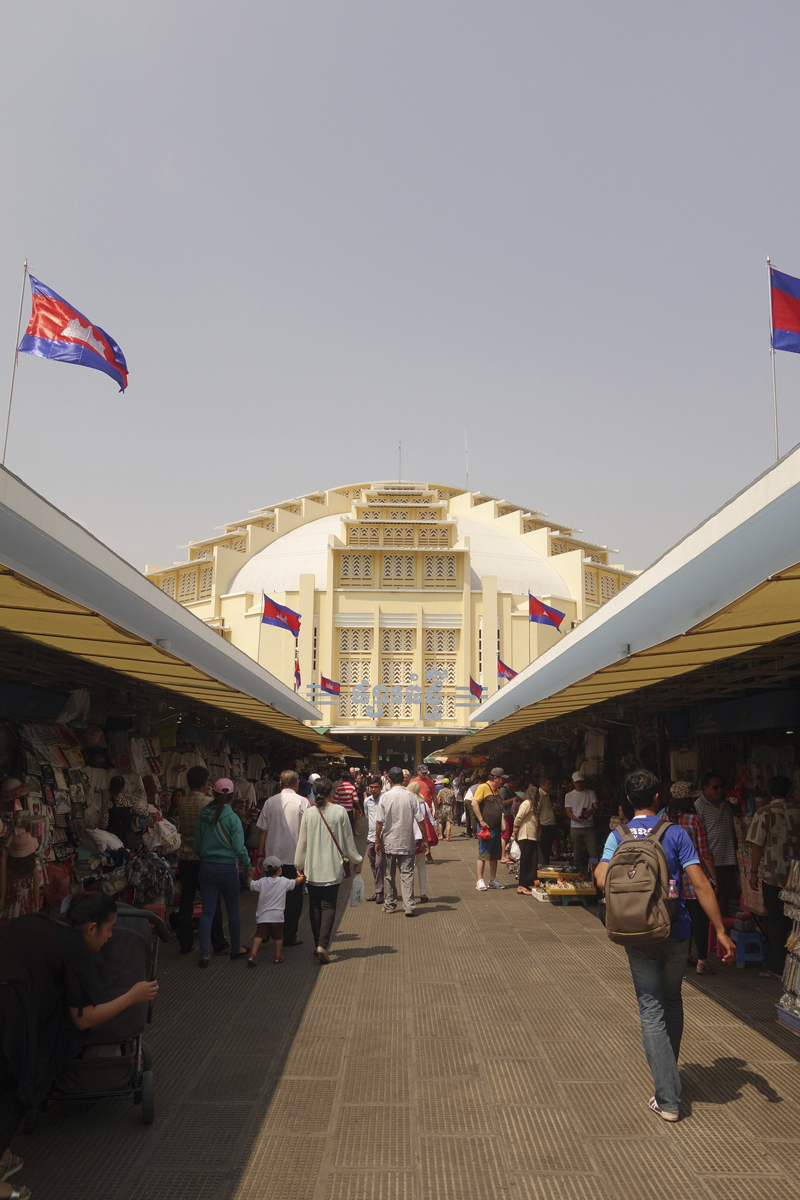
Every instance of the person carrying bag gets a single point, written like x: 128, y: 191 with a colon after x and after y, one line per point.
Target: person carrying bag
x: 325, y: 852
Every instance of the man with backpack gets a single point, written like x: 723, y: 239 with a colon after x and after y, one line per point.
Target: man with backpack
x: 641, y: 870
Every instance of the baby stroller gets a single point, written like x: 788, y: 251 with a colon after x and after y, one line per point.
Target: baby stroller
x: 114, y: 1060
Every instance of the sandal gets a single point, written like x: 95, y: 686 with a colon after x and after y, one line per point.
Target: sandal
x: 322, y: 954
x: 19, y: 1193
x: 15, y: 1164
x: 241, y: 953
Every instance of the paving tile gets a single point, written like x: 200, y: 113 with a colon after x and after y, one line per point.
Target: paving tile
x: 388, y: 1143
x: 287, y: 1166
x: 368, y: 1185
x: 463, y: 1168
x: 300, y: 1106
x: 737, y: 1187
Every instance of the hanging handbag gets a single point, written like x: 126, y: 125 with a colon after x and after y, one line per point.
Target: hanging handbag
x: 345, y: 861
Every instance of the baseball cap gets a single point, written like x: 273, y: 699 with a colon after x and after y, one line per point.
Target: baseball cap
x: 422, y: 769
x: 223, y: 785
x: 313, y: 777
x: 498, y: 771
x: 578, y: 776
x: 396, y: 774
x: 272, y: 861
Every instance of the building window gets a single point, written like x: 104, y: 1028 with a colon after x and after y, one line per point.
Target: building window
x: 239, y: 544
x: 397, y: 514
x: 397, y: 641
x: 398, y: 535
x: 355, y: 570
x: 314, y: 648
x: 396, y: 675
x: 447, y: 667
x: 398, y: 570
x: 608, y: 587
x: 558, y: 547
x: 433, y: 537
x: 206, y: 581
x: 352, y: 671
x: 167, y: 585
x: 363, y: 535
x: 355, y: 641
x: 428, y: 514
x: 187, y: 586
x: 531, y: 527
x: 268, y: 525
x: 441, y: 641
x: 596, y: 558
x: 440, y: 570
x: 590, y: 584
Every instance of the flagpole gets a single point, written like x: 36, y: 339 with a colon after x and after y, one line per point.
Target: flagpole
x: 772, y: 356
x: 529, y: 629
x: 16, y: 356
x: 260, y: 623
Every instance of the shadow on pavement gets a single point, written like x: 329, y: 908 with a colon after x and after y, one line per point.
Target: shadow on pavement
x: 724, y: 1082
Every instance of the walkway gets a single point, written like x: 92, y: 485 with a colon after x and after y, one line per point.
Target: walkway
x: 487, y: 1049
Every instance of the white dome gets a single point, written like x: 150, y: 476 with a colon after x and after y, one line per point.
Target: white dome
x: 304, y: 551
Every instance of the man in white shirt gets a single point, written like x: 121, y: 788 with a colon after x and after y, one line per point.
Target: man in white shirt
x: 279, y: 823
x: 376, y: 861
x: 395, y: 835
x: 579, y: 805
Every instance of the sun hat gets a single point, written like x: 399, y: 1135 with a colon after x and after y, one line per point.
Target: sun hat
x: 12, y: 790
x: 22, y: 844
x: 223, y: 785
x: 681, y: 790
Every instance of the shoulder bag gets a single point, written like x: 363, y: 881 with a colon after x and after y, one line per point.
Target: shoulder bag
x: 345, y: 860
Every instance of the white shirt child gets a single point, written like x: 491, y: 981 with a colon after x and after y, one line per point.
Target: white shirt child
x: 272, y: 891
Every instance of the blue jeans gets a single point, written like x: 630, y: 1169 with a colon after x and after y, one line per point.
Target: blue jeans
x: 219, y: 879
x: 657, y: 978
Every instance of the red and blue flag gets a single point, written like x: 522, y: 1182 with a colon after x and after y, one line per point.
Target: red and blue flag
x: 475, y: 688
x: 505, y: 672
x: 543, y: 614
x: 278, y: 614
x: 57, y: 330
x: 296, y: 674
x: 785, y: 295
x: 328, y: 685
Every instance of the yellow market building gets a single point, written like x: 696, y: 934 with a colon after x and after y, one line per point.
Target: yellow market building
x: 408, y: 594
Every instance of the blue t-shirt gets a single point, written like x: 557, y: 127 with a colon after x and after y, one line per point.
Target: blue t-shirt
x: 680, y: 852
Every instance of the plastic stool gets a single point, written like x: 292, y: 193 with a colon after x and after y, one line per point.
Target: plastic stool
x: 728, y: 922
x: 749, y: 946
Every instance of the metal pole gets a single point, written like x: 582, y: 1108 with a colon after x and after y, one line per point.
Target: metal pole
x: 772, y: 356
x: 466, y: 462
x: 16, y: 356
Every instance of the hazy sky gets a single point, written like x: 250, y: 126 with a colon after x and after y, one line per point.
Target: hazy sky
x: 316, y: 227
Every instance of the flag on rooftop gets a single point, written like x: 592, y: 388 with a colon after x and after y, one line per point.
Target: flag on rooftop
x: 475, y: 688
x: 328, y: 685
x: 505, y: 672
x: 278, y: 614
x: 785, y: 296
x: 296, y: 673
x: 543, y: 614
x: 57, y: 330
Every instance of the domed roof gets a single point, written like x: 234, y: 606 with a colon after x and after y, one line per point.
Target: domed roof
x: 493, y: 551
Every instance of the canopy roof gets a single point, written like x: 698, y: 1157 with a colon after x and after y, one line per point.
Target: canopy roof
x: 62, y: 588
x: 731, y: 587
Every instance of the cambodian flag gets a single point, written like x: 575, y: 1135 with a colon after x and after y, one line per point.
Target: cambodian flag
x: 327, y: 685
x: 505, y: 672
x: 296, y: 674
x: 284, y: 618
x: 57, y: 330
x: 785, y: 293
x: 543, y: 614
x: 475, y: 688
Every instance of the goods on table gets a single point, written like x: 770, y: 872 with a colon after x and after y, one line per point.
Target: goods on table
x: 789, y: 1003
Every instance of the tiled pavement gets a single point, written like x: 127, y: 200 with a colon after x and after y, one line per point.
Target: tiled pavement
x: 488, y: 1048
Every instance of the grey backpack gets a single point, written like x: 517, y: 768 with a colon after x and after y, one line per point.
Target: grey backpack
x: 639, y: 911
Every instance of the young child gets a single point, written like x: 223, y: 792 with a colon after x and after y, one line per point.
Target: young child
x: 272, y: 889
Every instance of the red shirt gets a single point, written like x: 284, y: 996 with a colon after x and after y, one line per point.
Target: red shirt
x: 345, y: 794
x: 426, y: 788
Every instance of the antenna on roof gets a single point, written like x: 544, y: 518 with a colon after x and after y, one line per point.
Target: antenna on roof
x: 466, y: 462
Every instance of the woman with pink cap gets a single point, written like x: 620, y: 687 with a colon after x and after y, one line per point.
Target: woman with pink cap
x: 219, y: 844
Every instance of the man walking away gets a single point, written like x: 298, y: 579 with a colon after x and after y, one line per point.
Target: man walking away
x: 717, y: 815
x: 398, y: 809
x: 579, y: 805
x: 279, y: 825
x: 774, y: 837
x: 345, y: 794
x: 188, y: 810
x: 376, y: 861
x: 547, y: 822
x: 489, y: 814
x: 657, y: 968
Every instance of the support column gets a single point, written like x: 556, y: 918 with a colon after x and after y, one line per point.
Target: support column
x: 305, y: 643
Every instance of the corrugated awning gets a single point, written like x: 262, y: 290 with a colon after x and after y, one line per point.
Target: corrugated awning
x: 33, y: 612
x: 730, y: 589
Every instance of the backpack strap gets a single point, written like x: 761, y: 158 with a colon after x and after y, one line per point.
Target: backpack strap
x: 658, y: 831
x: 624, y: 834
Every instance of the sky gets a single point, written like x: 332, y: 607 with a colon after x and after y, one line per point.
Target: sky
x: 316, y: 228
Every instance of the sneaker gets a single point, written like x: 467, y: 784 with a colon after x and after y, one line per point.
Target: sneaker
x: 277, y: 958
x: 495, y: 883
x: 481, y: 885
x: 251, y: 960
x: 410, y: 912
x: 703, y: 967
x: 660, y: 1112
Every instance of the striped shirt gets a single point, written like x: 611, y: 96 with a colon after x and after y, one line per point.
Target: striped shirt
x: 697, y: 832
x: 720, y: 830
x: 345, y: 794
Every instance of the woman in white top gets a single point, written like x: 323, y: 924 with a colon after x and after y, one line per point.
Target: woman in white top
x: 324, y: 845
